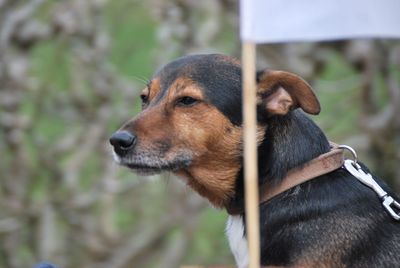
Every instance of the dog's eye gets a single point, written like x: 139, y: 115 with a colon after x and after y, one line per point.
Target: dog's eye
x: 144, y: 98
x: 186, y: 101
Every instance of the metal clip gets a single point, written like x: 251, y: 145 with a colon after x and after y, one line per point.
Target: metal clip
x: 388, y: 202
x: 351, y: 150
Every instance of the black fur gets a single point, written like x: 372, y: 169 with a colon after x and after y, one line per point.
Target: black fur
x: 333, y: 218
x: 331, y: 221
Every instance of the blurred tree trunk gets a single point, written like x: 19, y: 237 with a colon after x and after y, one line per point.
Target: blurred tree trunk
x: 19, y: 31
x: 380, y: 62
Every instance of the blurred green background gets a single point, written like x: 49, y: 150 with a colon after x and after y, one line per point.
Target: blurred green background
x: 71, y: 72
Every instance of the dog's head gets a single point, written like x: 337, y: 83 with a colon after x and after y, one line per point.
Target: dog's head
x: 191, y: 121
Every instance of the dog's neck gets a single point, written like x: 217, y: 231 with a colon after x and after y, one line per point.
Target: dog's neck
x: 290, y: 141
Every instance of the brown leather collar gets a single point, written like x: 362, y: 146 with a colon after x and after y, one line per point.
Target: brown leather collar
x: 318, y: 166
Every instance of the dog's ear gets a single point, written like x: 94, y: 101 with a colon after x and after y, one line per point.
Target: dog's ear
x: 280, y: 92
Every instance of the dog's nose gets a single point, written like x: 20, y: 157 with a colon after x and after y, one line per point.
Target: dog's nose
x: 122, y: 141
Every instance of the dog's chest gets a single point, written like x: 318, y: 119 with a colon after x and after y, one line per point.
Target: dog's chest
x: 237, y: 240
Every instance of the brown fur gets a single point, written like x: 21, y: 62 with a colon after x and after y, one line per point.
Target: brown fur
x: 212, y: 173
x: 152, y: 89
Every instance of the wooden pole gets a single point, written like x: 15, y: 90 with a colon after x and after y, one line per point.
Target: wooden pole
x: 250, y: 152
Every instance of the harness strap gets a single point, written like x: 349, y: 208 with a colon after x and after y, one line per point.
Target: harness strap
x: 318, y: 166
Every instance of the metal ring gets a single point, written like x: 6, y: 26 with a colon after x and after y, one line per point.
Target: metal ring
x: 351, y: 150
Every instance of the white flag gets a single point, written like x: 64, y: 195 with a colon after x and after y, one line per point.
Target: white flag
x: 270, y: 21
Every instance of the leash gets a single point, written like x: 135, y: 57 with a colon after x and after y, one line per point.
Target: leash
x: 323, y: 164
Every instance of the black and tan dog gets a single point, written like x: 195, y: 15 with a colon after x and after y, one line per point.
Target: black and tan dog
x: 191, y: 125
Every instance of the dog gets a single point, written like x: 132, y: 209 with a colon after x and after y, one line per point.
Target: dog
x: 191, y: 125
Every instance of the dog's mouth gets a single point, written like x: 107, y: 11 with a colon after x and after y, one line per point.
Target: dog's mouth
x: 148, y: 164
x: 146, y: 170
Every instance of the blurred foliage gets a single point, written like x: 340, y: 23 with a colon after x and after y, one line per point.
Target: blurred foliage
x: 133, y: 42
x: 76, y: 77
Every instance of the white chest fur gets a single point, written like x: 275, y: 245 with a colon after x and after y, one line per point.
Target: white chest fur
x: 237, y: 240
